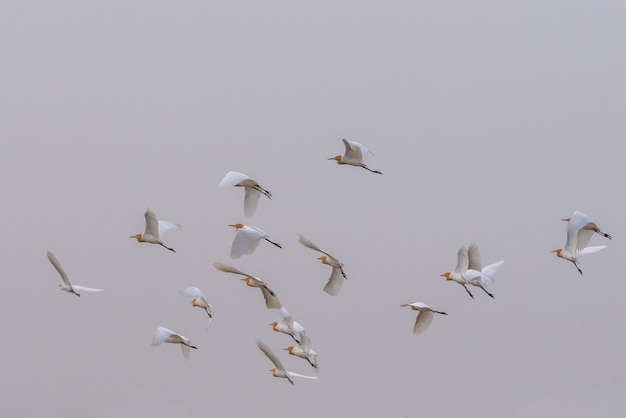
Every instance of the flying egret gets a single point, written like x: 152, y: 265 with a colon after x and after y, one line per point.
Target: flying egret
x: 355, y: 155
x: 271, y: 300
x: 66, y: 285
x: 279, y: 369
x: 334, y: 283
x: 424, y: 316
x: 579, y: 231
x: 458, y: 275
x: 155, y: 229
x: 476, y: 275
x: 252, y: 190
x: 198, y: 300
x: 246, y: 240
x: 164, y: 335
x: 288, y: 325
x: 304, y: 351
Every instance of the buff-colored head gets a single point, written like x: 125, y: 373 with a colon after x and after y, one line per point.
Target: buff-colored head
x: 336, y: 158
x: 273, y: 324
x: 289, y: 349
x: 237, y: 226
x: 138, y: 237
x: 247, y: 280
x: 446, y: 275
x: 323, y: 259
x: 557, y: 251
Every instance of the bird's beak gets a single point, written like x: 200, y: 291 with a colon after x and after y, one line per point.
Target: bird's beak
x: 566, y: 219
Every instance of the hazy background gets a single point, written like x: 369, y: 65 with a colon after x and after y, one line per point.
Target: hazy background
x: 491, y: 121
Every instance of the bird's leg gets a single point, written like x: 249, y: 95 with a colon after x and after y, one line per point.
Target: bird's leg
x: 486, y: 291
x: 262, y: 190
x: 343, y: 274
x: 578, y: 268
x: 311, y: 363
x: 77, y: 294
x: 468, y: 292
x: 442, y: 313
x: 190, y: 346
x: 373, y: 171
x: 290, y: 381
x: 275, y: 243
x: 164, y: 246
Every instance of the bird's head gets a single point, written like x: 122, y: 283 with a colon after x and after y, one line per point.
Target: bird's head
x: 566, y: 219
x: 273, y: 324
x: 446, y: 275
x: 247, y: 280
x: 323, y: 259
x: 273, y: 371
x: 557, y: 251
x: 237, y: 226
x: 336, y: 158
x: 289, y: 349
x: 137, y: 237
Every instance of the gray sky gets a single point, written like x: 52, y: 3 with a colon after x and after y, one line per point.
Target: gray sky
x: 490, y: 120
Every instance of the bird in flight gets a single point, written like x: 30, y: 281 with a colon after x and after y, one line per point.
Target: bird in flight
x: 66, y: 285
x: 424, y: 316
x: 253, y: 190
x: 155, y: 230
x: 354, y: 155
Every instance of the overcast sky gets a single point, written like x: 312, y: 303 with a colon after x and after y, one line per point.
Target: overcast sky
x: 490, y: 120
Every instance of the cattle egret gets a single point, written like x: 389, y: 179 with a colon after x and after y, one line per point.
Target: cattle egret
x: 155, y: 229
x: 355, y: 155
x: 246, y: 240
x: 476, y: 275
x: 334, y: 283
x: 271, y: 300
x: 279, y: 369
x: 66, y: 285
x: 164, y: 335
x: 198, y: 300
x: 252, y: 190
x: 288, y: 326
x: 579, y: 231
x: 304, y: 351
x: 458, y: 275
x: 424, y: 316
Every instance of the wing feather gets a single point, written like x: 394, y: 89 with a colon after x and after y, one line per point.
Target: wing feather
x: 422, y: 322
x: 270, y: 355
x: 58, y: 267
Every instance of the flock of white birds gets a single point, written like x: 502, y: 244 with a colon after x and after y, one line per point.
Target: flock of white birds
x: 468, y: 271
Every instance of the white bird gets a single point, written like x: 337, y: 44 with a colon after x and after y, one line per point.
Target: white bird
x: 198, y: 300
x: 279, y: 370
x: 579, y: 231
x: 252, y: 189
x: 155, y: 229
x: 424, y: 316
x: 66, y: 285
x: 355, y: 155
x: 458, y: 275
x: 288, y: 326
x: 271, y: 300
x: 246, y: 240
x: 478, y: 276
x: 304, y: 351
x: 334, y: 283
x: 164, y: 335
